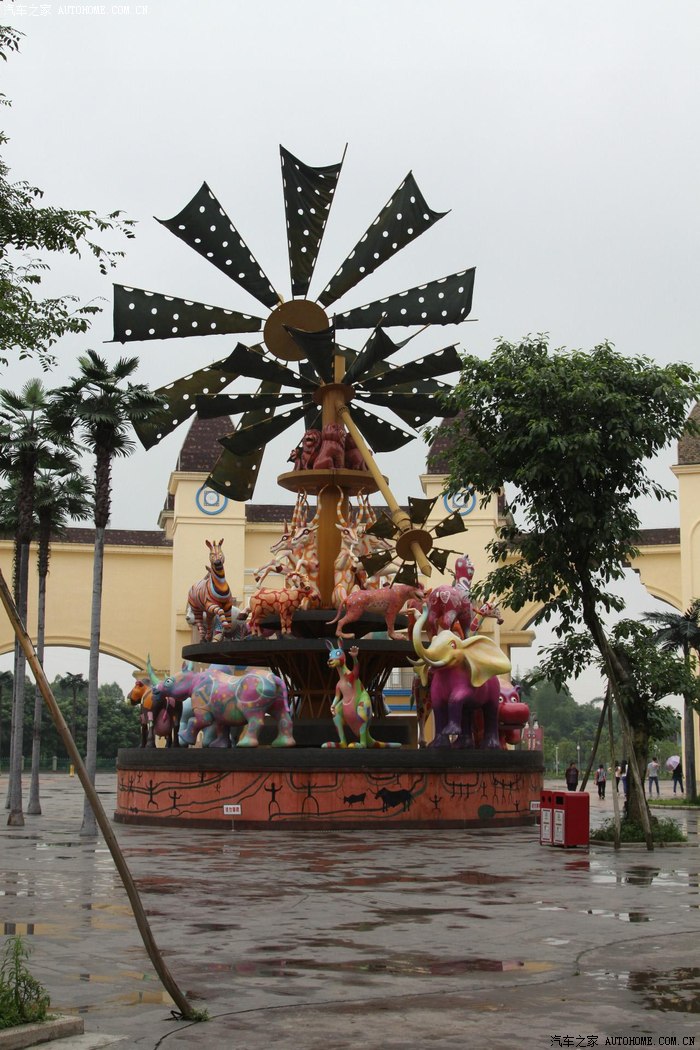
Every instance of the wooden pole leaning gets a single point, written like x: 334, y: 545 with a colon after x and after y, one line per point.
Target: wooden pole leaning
x: 159, y: 964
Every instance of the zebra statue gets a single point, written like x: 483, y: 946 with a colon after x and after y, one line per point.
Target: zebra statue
x: 210, y: 600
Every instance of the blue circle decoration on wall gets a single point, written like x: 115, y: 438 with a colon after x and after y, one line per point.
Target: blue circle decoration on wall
x: 210, y: 502
x: 463, y: 502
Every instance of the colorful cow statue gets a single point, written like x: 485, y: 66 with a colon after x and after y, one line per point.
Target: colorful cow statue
x: 462, y: 677
x: 221, y: 700
x: 351, y: 706
x: 157, y: 717
x: 297, y: 594
x: 387, y: 601
x: 211, y: 597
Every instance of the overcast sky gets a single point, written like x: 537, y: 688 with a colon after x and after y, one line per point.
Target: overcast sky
x: 563, y: 137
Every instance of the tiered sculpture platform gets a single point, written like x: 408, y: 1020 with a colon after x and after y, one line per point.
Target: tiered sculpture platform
x: 314, y: 789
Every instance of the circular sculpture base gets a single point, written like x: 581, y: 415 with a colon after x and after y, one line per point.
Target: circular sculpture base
x: 314, y: 789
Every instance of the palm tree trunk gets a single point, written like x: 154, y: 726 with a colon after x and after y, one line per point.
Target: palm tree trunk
x: 16, y: 558
x: 16, y: 817
x: 89, y: 826
x: 691, y: 790
x: 34, y: 804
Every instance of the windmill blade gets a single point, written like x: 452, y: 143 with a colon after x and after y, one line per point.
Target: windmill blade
x: 378, y: 348
x: 180, y: 400
x: 247, y: 438
x: 440, y: 363
x: 439, y: 557
x: 374, y: 563
x: 235, y: 475
x: 382, y: 436
x: 419, y: 509
x: 204, y: 226
x: 445, y: 301
x: 451, y: 525
x: 312, y: 411
x: 319, y: 348
x: 404, y: 217
x: 139, y: 314
x: 407, y: 574
x: 414, y: 409
x: 384, y: 528
x: 308, y: 195
x: 251, y: 363
x: 210, y: 406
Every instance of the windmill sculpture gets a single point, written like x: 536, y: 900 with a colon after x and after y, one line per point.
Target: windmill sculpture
x: 325, y: 382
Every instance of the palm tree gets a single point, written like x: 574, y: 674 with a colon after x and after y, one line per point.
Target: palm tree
x: 104, y: 411
x: 59, y: 497
x: 76, y: 683
x: 682, y: 631
x: 27, y: 440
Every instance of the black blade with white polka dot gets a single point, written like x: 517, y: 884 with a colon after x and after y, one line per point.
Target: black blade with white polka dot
x: 382, y: 436
x: 407, y: 574
x: 378, y: 348
x: 204, y: 225
x: 139, y: 315
x: 403, y: 218
x: 308, y: 195
x: 414, y: 409
x: 211, y: 406
x: 180, y: 400
x: 247, y: 438
x: 439, y: 363
x: 249, y: 362
x: 445, y: 301
x: 235, y: 475
x: 319, y: 348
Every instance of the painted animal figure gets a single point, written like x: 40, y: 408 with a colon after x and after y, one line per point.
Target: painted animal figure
x: 346, y: 561
x: 488, y: 609
x: 304, y: 455
x: 462, y: 677
x: 211, y: 597
x: 351, y: 800
x: 351, y: 705
x: 451, y: 605
x: 157, y: 717
x: 282, y: 603
x: 390, y: 799
x: 387, y: 601
x: 353, y: 457
x: 221, y: 700
x: 331, y: 455
x: 513, y: 713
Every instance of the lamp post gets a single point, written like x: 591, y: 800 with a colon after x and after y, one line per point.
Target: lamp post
x: 578, y: 757
x: 556, y: 758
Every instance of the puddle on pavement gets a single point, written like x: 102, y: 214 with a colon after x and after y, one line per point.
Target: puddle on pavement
x: 400, y: 966
x: 670, y: 991
x: 623, y: 916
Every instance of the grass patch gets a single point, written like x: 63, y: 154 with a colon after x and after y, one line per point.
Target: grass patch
x: 23, y: 1000
x: 663, y: 829
x: 675, y: 803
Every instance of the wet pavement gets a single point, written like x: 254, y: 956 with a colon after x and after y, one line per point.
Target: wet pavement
x: 381, y: 939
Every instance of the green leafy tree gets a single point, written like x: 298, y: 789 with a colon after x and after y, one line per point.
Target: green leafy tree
x: 103, y: 405
x: 651, y: 675
x: 5, y: 691
x: 30, y: 324
x: 571, y: 432
x: 674, y: 632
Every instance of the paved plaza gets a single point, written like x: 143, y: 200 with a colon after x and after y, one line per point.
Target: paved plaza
x: 448, y: 939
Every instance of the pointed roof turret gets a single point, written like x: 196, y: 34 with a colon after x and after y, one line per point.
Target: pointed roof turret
x: 201, y: 448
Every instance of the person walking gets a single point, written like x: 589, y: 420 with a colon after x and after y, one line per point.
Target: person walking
x: 618, y: 775
x: 623, y: 777
x: 678, y: 778
x: 571, y: 776
x: 600, y: 779
x: 653, y: 775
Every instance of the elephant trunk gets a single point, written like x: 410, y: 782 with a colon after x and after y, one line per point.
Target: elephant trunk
x: 422, y: 652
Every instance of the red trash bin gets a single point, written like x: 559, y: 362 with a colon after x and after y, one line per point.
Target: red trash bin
x: 570, y: 818
x: 546, y: 818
